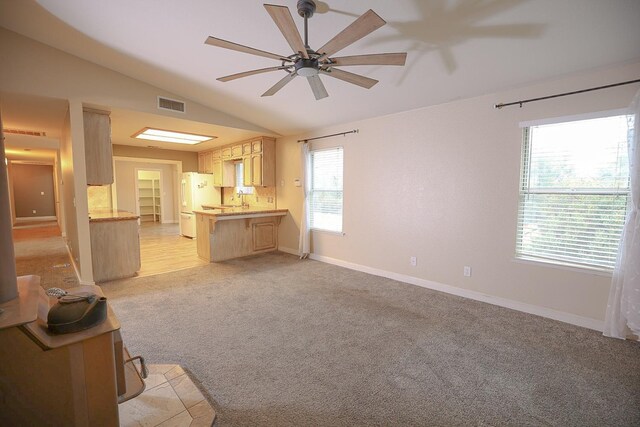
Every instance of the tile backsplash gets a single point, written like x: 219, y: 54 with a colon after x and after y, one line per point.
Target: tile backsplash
x: 262, y: 197
x: 99, y: 197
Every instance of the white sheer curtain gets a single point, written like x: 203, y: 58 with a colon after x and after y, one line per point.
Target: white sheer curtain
x: 623, y: 310
x: 303, y: 247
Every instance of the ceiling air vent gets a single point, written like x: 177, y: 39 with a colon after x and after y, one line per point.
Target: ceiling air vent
x: 171, y: 104
x: 24, y: 132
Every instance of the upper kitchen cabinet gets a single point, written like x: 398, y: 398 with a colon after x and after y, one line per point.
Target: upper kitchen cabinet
x: 205, y: 162
x: 263, y: 162
x: 258, y: 156
x: 97, y: 147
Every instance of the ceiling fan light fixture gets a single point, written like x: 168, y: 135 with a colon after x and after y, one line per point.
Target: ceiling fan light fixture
x: 307, y: 72
x: 307, y: 67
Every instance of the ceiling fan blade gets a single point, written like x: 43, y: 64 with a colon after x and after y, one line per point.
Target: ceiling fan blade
x: 283, y: 19
x: 317, y: 87
x: 276, y: 87
x: 359, y: 28
x: 241, y: 48
x: 374, y: 59
x: 249, y: 73
x: 356, y: 79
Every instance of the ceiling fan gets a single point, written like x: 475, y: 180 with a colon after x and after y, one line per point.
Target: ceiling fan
x: 309, y: 63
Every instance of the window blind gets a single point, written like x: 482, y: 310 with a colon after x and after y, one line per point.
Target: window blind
x: 325, y: 192
x: 574, y: 191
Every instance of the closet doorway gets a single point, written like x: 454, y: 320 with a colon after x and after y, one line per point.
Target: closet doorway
x: 149, y: 194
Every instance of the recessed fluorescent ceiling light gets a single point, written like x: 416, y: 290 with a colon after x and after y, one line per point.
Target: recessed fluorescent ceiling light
x: 170, y: 136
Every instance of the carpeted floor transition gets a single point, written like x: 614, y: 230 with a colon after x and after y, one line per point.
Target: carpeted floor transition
x: 278, y: 341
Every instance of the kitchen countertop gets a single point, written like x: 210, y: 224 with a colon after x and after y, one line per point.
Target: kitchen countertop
x: 111, y: 215
x: 223, y: 212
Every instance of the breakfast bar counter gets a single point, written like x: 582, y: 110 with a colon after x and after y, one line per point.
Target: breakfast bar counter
x: 224, y: 233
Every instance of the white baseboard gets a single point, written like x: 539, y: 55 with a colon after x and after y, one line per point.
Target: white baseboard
x: 288, y: 250
x: 75, y: 267
x: 585, y: 322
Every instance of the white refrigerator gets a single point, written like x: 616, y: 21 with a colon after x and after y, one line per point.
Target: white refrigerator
x: 196, y: 189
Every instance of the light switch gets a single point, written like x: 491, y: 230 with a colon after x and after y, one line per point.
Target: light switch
x: 42, y: 193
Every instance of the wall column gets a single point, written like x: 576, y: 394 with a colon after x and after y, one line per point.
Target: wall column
x: 8, y: 278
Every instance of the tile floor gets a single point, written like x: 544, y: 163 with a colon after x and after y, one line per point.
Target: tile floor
x: 169, y: 399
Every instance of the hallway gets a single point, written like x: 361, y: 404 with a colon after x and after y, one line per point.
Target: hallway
x: 40, y: 250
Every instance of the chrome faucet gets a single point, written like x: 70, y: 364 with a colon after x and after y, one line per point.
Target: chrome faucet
x: 242, y: 202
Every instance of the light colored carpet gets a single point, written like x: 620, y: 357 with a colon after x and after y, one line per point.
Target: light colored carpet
x: 278, y: 341
x: 41, y: 251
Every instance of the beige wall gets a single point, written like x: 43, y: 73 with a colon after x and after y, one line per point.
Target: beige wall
x: 68, y: 190
x: 33, y: 190
x: 441, y: 184
x: 8, y: 284
x: 189, y: 160
x: 125, y: 184
x: 74, y: 194
x: 40, y: 70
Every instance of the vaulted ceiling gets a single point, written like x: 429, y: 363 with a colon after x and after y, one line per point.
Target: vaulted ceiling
x: 456, y: 49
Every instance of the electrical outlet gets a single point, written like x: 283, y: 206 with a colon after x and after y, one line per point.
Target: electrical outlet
x: 413, y: 261
x: 34, y: 211
x: 467, y: 271
x: 42, y: 193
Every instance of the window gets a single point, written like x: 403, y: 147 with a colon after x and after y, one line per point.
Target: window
x: 574, y: 191
x: 325, y: 189
x: 240, y: 188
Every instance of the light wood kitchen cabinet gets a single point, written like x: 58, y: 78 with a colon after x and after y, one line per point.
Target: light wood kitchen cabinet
x: 223, y: 236
x: 205, y: 162
x: 236, y: 151
x: 262, y: 163
x: 256, y: 170
x: 217, y: 172
x: 247, y: 177
x: 97, y: 147
x: 224, y: 173
x: 115, y: 246
x: 258, y: 159
x: 208, y: 162
x: 201, y: 162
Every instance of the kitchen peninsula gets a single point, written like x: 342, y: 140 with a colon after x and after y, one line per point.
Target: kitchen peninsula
x: 224, y: 233
x: 115, y: 244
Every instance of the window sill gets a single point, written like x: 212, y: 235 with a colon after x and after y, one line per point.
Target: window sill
x: 564, y: 266
x: 335, y: 233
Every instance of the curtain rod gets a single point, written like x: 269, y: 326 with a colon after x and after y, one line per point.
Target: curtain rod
x: 329, y: 136
x: 524, y: 101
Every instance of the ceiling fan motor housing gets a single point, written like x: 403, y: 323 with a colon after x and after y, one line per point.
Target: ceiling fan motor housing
x: 307, y: 67
x: 306, y: 8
